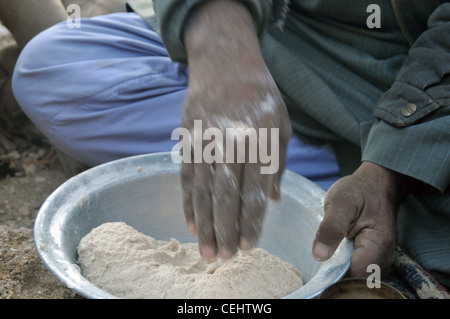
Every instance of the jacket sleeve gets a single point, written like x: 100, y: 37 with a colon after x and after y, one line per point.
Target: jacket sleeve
x: 412, y: 134
x: 172, y: 16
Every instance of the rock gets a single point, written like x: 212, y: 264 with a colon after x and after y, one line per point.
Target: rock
x: 30, y: 169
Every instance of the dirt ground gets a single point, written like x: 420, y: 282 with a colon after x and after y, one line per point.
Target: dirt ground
x: 31, y: 177
x: 29, y: 173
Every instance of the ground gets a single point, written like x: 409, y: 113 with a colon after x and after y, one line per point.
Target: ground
x: 29, y: 173
x: 35, y: 175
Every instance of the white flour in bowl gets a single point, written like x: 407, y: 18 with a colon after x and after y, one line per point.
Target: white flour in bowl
x: 128, y: 264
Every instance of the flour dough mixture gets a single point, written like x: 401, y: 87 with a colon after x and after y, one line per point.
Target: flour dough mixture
x: 129, y: 264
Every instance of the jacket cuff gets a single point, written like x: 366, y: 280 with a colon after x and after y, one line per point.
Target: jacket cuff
x: 423, y: 82
x: 404, y: 104
x: 419, y: 151
x: 172, y: 16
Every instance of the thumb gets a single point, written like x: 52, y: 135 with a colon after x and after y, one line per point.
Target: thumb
x: 331, y: 232
x: 340, y: 212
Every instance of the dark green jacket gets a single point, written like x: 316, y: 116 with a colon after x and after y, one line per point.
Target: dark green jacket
x: 412, y: 111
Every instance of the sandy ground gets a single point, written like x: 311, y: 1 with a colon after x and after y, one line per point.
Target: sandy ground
x: 28, y: 175
x: 35, y: 174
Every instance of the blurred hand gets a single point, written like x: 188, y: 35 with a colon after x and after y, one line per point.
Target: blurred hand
x: 229, y: 87
x: 362, y: 206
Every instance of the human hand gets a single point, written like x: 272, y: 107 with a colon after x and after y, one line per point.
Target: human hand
x: 230, y: 87
x: 362, y: 206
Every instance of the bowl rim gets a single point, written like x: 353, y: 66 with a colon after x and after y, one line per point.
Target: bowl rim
x: 329, y: 272
x: 363, y: 282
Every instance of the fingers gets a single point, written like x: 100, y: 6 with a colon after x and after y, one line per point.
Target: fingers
x: 331, y: 232
x: 224, y: 203
x: 369, y: 221
x: 225, y: 214
x: 202, y: 207
x: 226, y: 208
x: 373, y: 246
x: 254, y: 191
x: 187, y: 182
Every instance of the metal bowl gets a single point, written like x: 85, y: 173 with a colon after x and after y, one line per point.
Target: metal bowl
x: 357, y: 288
x: 144, y: 192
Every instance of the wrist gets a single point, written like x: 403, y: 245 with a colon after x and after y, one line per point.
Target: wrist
x: 395, y: 185
x: 220, y: 31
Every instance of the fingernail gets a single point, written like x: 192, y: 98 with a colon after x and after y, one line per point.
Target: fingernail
x: 244, y: 244
x: 207, y: 252
x: 191, y: 228
x: 321, y: 252
x: 275, y: 195
x: 225, y: 254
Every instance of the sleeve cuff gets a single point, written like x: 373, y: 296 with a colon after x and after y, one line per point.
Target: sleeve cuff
x: 404, y: 105
x: 419, y: 151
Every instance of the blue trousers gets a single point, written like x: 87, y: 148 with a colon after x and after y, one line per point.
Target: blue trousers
x: 109, y: 90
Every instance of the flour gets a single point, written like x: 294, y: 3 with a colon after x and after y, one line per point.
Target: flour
x: 128, y: 264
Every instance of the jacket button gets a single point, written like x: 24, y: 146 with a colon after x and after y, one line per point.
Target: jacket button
x: 409, y: 109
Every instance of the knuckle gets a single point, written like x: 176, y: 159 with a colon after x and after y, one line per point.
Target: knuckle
x: 251, y: 224
x: 186, y: 175
x: 227, y: 187
x: 253, y: 203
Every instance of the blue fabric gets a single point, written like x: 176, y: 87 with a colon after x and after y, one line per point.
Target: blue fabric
x: 109, y: 90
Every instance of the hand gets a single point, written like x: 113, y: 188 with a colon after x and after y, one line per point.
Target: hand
x: 229, y: 86
x: 362, y: 206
